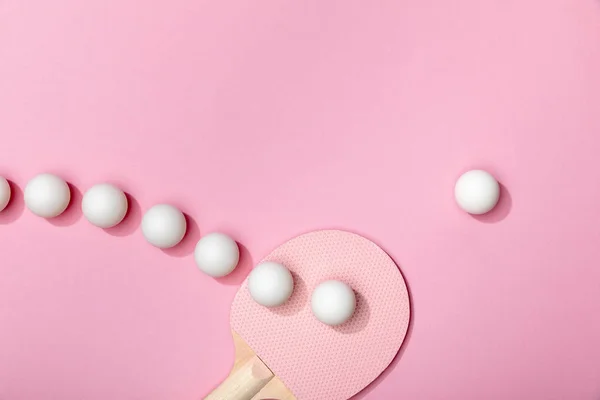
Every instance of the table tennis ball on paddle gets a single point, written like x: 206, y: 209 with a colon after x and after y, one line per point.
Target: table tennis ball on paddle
x: 164, y: 226
x: 270, y: 284
x: 333, y: 302
x: 104, y: 205
x: 47, y: 195
x: 287, y: 353
x: 477, y: 192
x: 216, y: 254
x: 4, y: 193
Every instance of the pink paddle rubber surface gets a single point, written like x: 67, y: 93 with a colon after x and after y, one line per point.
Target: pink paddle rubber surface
x: 316, y: 361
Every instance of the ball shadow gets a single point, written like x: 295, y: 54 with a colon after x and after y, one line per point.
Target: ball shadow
x: 501, y: 211
x: 15, y: 207
x: 132, y: 219
x: 73, y: 212
x: 242, y: 270
x: 359, y: 320
x: 189, y: 241
x: 298, y: 299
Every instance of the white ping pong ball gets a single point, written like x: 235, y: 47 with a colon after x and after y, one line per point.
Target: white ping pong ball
x: 216, y: 254
x: 477, y: 192
x: 104, y: 205
x: 270, y: 284
x: 4, y: 193
x: 163, y: 226
x: 333, y: 302
x: 47, y: 195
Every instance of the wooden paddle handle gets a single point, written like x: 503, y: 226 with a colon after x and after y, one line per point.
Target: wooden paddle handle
x: 274, y: 390
x: 244, y: 383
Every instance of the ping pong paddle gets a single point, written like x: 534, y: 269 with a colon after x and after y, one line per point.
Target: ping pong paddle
x: 285, y: 353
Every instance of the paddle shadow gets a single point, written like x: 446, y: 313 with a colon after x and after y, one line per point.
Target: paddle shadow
x: 363, y: 393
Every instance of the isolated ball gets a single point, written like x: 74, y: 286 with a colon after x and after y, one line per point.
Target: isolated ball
x: 104, y: 205
x: 4, y: 193
x: 270, y: 284
x: 216, y: 254
x: 477, y: 192
x: 333, y: 302
x: 163, y: 226
x: 47, y: 195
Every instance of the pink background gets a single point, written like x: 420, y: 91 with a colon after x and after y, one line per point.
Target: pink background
x: 265, y: 119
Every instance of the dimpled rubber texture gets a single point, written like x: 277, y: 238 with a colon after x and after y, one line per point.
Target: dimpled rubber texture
x: 316, y: 361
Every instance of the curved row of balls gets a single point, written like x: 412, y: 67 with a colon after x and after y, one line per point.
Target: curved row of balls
x: 216, y: 254
x: 164, y: 226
